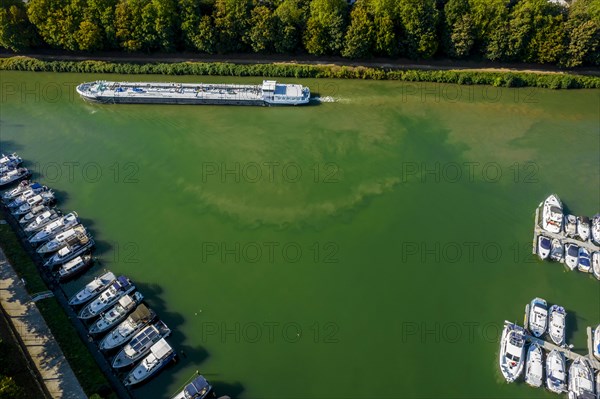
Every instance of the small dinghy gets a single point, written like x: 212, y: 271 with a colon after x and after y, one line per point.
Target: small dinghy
x: 583, y: 228
x: 557, y: 253
x: 121, y: 334
x: 140, y: 344
x: 118, y: 289
x: 596, y: 264
x: 596, y: 342
x: 538, y: 316
x: 571, y: 256
x: 199, y: 388
x: 570, y: 225
x: 512, y: 351
x: 596, y: 229
x: 556, y: 326
x: 73, y: 249
x: 9, y: 195
x: 556, y: 372
x: 581, y: 380
x: 74, y: 267
x: 544, y: 246
x: 62, y: 240
x: 45, y: 198
x: 552, y: 214
x: 161, y: 353
x: 117, y: 313
x: 53, y: 228
x: 14, y: 176
x: 92, y: 289
x: 534, y: 367
x: 41, y: 215
x: 585, y: 262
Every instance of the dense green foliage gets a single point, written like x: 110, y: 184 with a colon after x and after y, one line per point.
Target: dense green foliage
x: 498, y: 30
x: 501, y: 79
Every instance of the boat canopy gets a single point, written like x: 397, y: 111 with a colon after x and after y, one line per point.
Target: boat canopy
x: 36, y: 186
x: 125, y: 301
x: 140, y: 313
x: 161, y: 349
x: 197, y: 388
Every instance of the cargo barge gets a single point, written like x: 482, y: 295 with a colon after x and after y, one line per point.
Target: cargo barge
x: 268, y: 94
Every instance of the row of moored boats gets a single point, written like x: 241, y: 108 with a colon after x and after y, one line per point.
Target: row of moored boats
x: 579, y: 229
x: 110, y: 306
x: 519, y: 354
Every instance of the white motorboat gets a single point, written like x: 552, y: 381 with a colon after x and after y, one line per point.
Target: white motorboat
x: 544, y: 246
x: 118, y: 289
x: 53, y: 228
x: 10, y: 159
x: 583, y: 227
x: 74, y: 267
x: 585, y: 262
x: 556, y: 326
x: 512, y: 351
x: 8, y: 195
x: 596, y: 229
x: 557, y: 253
x: 570, y: 225
x: 73, y: 249
x: 571, y: 256
x: 161, y: 353
x: 29, y: 192
x: 556, y: 372
x: 140, y: 344
x: 596, y: 264
x: 38, y: 217
x: 199, y: 388
x: 117, y: 313
x: 13, y: 176
x: 121, y: 334
x: 92, y: 289
x: 552, y: 214
x: 538, y: 316
x: 596, y: 342
x: 534, y: 367
x: 581, y: 380
x: 62, y: 240
x: 45, y: 198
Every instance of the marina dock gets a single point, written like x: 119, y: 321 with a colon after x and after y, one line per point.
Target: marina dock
x: 538, y: 230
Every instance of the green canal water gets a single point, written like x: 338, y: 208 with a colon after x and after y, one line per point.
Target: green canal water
x: 371, y: 246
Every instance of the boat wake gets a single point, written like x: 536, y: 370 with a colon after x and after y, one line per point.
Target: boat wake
x: 326, y: 99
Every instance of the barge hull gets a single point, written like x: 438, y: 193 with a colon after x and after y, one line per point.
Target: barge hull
x: 179, y: 101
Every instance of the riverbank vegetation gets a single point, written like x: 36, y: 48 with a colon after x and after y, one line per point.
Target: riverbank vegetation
x: 501, y: 79
x: 532, y: 31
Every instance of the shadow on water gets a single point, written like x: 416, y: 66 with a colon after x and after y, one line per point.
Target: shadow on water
x: 232, y: 390
x: 572, y: 326
x: 9, y: 146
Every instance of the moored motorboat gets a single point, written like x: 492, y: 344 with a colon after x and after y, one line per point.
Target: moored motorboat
x: 581, y: 380
x: 538, y: 316
x: 199, y: 388
x: 596, y: 342
x: 596, y: 229
x: 8, y: 195
x: 596, y: 264
x: 556, y: 326
x: 140, y: 344
x: 571, y: 255
x: 62, y: 239
x: 45, y: 198
x: 119, y: 288
x: 161, y: 353
x: 585, y: 262
x: 73, y: 249
x: 117, y: 313
x: 556, y: 372
x: 14, y: 176
x: 74, y: 267
x: 583, y: 227
x: 29, y: 192
x: 557, y: 253
x: 544, y: 246
x: 512, y: 351
x: 570, y: 225
x: 92, y: 289
x: 53, y: 228
x: 38, y: 217
x: 10, y: 159
x: 552, y: 214
x: 121, y: 334
x: 534, y: 367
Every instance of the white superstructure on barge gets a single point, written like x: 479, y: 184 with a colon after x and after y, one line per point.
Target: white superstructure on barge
x: 269, y: 93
